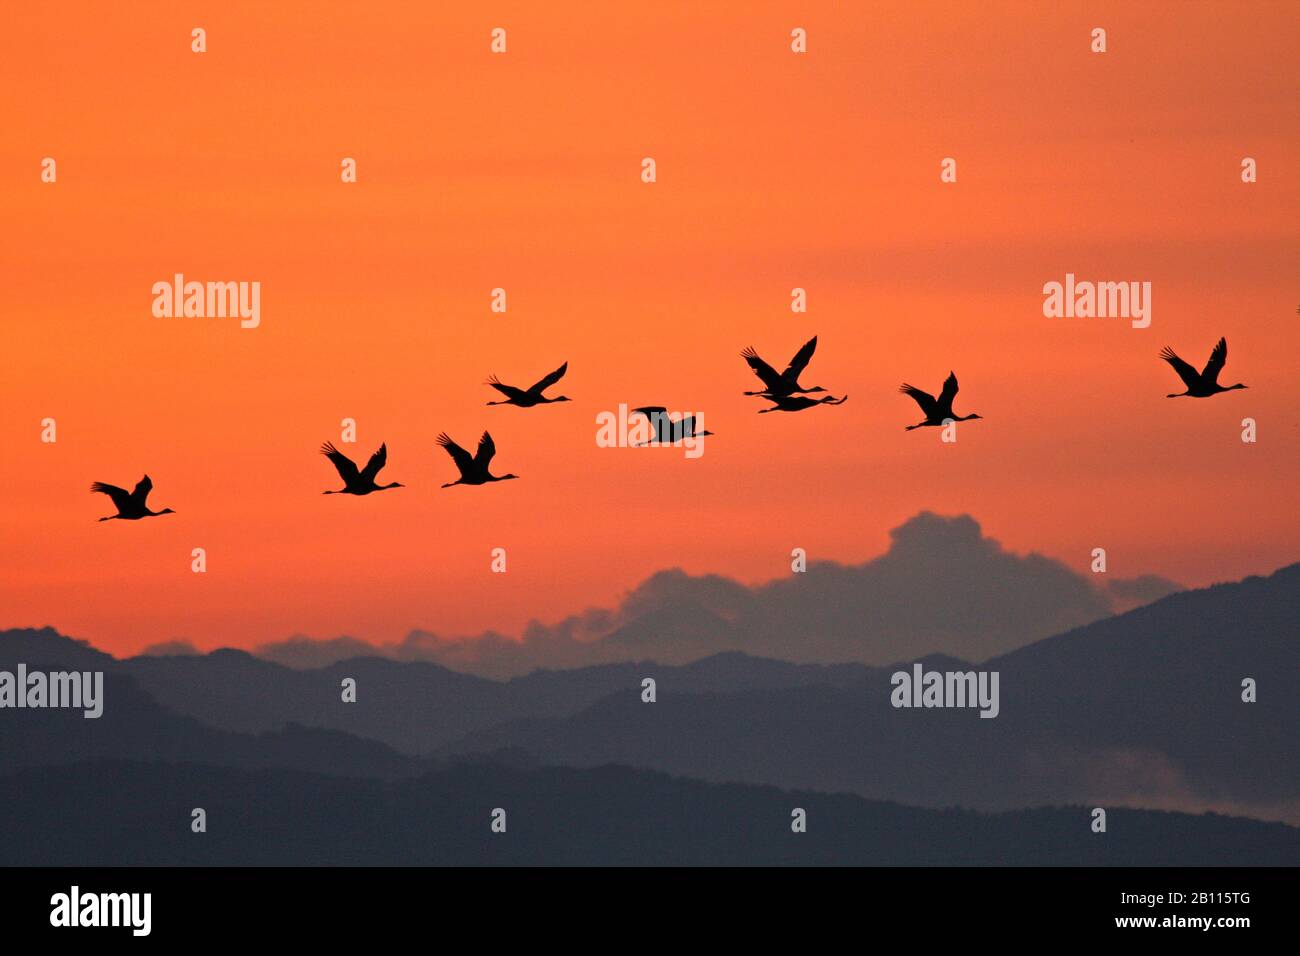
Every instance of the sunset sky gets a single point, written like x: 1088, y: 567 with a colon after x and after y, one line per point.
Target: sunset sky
x: 522, y: 171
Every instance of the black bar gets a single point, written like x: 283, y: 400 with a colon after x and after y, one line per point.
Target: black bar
x: 241, y: 905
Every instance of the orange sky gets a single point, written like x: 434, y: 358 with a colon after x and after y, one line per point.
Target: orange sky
x: 522, y: 171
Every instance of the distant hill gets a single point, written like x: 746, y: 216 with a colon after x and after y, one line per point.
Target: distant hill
x: 135, y: 814
x: 134, y: 727
x: 414, y: 707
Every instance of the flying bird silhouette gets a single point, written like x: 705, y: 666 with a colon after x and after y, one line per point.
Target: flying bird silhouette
x: 357, y: 482
x: 937, y: 411
x: 527, y: 398
x: 1204, y: 383
x: 666, y: 430
x: 130, y: 504
x: 797, y: 403
x: 787, y: 382
x: 473, y: 470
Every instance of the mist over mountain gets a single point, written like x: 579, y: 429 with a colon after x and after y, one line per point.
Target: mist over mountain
x: 943, y: 587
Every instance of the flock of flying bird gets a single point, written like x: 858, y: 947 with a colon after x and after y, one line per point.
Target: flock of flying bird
x: 782, y: 389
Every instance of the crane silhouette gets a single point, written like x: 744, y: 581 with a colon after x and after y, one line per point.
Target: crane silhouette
x: 527, y: 398
x: 357, y: 482
x: 130, y: 504
x: 785, y: 383
x: 473, y: 470
x: 938, y: 411
x: 1204, y: 383
x: 797, y: 403
x: 667, y: 431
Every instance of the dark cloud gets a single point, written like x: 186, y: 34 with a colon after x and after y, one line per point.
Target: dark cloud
x: 943, y: 587
x: 1128, y: 593
x: 299, y: 651
x: 170, y: 649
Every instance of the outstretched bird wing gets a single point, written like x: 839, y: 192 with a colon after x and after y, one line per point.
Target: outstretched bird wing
x: 948, y: 394
x: 346, y: 468
x: 509, y: 391
x: 1215, y: 365
x: 657, y: 416
x: 928, y: 405
x: 141, y: 491
x: 486, y: 449
x: 459, y: 455
x: 765, y: 372
x: 376, y: 462
x: 1188, y: 374
x: 800, y: 360
x: 121, y: 497
x: 545, y: 383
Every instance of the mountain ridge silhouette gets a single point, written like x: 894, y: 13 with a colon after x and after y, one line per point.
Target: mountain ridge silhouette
x: 1141, y: 709
x: 138, y: 814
